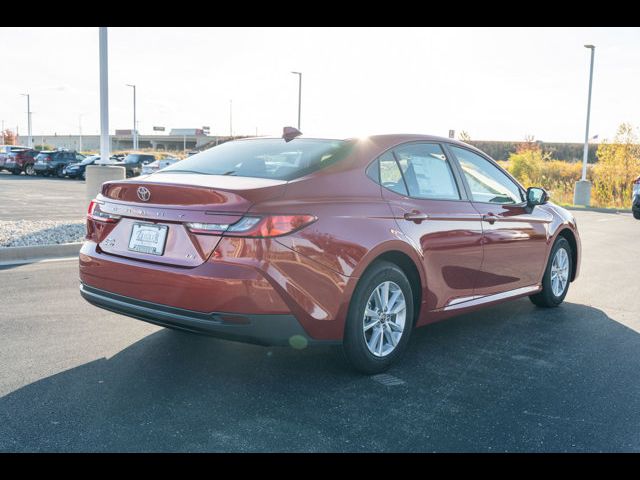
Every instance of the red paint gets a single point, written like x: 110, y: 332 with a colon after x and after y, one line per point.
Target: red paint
x: 312, y: 272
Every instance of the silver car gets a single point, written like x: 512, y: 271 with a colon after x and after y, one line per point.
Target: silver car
x: 158, y: 165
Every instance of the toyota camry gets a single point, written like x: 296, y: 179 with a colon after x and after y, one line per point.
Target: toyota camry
x: 301, y: 241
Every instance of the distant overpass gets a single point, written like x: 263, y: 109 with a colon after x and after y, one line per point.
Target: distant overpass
x: 125, y: 142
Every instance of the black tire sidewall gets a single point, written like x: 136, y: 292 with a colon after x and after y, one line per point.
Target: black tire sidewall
x: 354, y: 344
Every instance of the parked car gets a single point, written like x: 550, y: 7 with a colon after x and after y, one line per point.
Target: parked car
x: 635, y: 204
x: 18, y: 159
x: 153, y: 167
x: 313, y: 241
x: 53, y: 162
x: 77, y: 170
x: 134, y: 162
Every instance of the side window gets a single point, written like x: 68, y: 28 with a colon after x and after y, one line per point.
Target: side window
x: 487, y: 182
x: 390, y: 175
x: 427, y: 171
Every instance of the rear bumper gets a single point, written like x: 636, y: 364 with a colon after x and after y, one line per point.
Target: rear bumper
x: 261, y: 329
x: 280, y: 284
x: 44, y: 168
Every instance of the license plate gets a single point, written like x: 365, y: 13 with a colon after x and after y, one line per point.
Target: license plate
x: 148, y: 238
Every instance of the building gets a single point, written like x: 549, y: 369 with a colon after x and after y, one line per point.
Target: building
x: 124, y: 142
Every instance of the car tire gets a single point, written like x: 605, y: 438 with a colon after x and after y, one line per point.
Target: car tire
x: 84, y: 175
x: 557, y: 276
x: 45, y: 174
x: 636, y: 214
x: 60, y: 171
x: 28, y: 170
x: 16, y: 171
x: 373, y: 343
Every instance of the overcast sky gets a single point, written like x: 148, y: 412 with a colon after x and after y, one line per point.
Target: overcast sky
x: 494, y: 83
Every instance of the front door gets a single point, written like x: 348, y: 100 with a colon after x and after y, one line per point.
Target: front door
x: 427, y: 199
x: 515, y: 237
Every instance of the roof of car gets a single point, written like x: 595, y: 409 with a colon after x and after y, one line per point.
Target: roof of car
x: 384, y: 140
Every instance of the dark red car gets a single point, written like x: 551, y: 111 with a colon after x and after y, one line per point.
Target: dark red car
x: 308, y: 241
x: 18, y: 159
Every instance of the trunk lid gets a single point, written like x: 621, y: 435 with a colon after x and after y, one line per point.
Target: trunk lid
x: 171, y: 201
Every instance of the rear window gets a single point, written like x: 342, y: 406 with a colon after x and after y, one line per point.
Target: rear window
x: 265, y: 158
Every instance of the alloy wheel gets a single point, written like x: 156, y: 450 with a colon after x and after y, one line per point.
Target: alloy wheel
x: 384, y: 319
x: 559, y: 272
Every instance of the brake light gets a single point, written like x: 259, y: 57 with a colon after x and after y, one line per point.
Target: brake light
x: 259, y: 227
x: 95, y: 213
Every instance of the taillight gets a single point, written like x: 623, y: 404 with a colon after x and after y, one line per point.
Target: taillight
x: 259, y: 227
x: 95, y: 213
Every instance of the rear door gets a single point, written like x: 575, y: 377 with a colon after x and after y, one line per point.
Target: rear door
x: 430, y: 206
x: 515, y: 239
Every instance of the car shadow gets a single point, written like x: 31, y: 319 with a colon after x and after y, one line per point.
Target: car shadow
x: 510, y: 378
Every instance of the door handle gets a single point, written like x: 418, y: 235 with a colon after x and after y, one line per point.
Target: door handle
x: 416, y: 216
x: 490, y: 217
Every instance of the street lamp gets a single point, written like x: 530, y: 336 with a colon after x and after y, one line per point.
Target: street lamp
x: 582, y: 194
x: 135, y: 131
x: 299, y: 95
x: 80, y: 131
x: 231, y: 119
x: 29, y: 143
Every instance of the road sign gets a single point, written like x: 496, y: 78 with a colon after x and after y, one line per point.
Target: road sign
x: 158, y: 129
x: 452, y: 133
x: 206, y: 130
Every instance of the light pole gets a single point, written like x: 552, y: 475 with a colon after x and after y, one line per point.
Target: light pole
x: 299, y: 95
x: 231, y: 118
x: 135, y: 131
x: 29, y: 143
x: 80, y: 131
x: 582, y: 194
x: 104, y: 98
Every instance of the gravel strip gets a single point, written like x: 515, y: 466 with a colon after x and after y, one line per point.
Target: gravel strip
x: 23, y: 233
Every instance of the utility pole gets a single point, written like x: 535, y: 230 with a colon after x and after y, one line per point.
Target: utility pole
x: 29, y: 142
x: 231, y: 118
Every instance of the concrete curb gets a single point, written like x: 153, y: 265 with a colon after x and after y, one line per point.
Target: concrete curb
x: 599, y: 210
x: 12, y: 255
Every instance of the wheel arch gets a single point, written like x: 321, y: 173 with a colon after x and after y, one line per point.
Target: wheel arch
x: 410, y: 268
x: 568, y: 234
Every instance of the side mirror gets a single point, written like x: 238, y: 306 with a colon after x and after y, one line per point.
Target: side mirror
x: 536, y: 196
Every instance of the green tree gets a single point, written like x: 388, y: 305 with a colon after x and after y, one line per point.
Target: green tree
x: 618, y: 165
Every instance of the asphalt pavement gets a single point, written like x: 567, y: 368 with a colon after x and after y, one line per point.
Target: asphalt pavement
x: 510, y: 378
x: 38, y: 198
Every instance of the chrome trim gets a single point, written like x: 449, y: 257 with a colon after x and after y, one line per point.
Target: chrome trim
x: 465, y: 302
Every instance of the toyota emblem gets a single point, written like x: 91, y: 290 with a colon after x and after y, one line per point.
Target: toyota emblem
x: 144, y: 194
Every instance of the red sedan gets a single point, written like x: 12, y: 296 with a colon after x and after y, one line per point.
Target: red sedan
x: 302, y: 241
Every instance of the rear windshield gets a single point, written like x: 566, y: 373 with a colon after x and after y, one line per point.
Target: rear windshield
x: 264, y: 158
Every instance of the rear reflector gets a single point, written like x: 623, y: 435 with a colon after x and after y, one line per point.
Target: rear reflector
x: 260, y: 227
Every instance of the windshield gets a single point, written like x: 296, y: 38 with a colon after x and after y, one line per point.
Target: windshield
x: 265, y: 158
